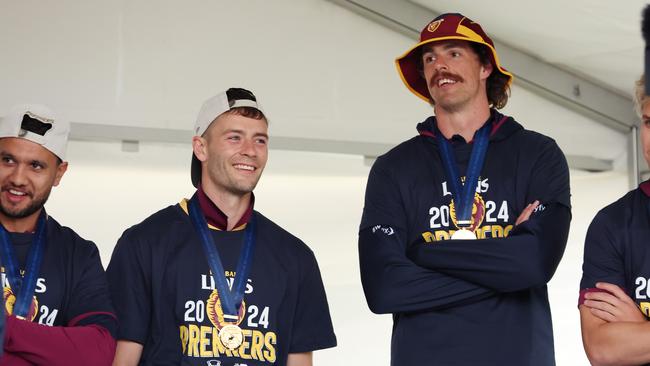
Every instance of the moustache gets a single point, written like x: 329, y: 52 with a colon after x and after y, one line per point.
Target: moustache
x: 444, y: 75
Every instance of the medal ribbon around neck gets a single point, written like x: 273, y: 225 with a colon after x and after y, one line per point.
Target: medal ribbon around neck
x: 463, y: 194
x: 230, y: 300
x: 23, y: 287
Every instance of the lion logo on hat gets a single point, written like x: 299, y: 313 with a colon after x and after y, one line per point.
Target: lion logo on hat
x: 433, y: 26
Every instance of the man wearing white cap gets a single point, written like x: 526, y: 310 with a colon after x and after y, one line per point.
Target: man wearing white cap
x: 55, y: 290
x: 210, y: 281
x: 464, y: 224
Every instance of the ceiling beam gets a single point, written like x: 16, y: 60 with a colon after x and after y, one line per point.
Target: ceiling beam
x: 132, y: 136
x: 575, y: 92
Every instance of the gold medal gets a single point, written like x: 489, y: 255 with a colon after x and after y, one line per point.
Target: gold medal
x: 231, y: 336
x: 463, y: 234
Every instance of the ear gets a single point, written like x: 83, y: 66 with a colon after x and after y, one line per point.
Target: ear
x: 486, y: 70
x: 60, y: 170
x: 200, y: 148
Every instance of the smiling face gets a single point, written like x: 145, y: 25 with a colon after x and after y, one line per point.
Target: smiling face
x: 233, y: 153
x: 28, y: 172
x: 455, y: 77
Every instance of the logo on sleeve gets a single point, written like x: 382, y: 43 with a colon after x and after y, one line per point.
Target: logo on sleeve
x: 384, y: 229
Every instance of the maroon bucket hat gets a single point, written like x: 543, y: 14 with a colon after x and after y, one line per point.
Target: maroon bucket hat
x: 444, y: 27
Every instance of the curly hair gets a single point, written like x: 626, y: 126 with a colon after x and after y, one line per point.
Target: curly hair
x: 497, y: 87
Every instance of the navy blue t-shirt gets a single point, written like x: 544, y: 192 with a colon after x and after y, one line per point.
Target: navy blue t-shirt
x: 71, y: 287
x: 466, y: 302
x: 164, y: 294
x: 617, y: 247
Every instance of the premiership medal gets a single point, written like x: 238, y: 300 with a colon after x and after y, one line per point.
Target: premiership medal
x: 463, y: 194
x: 231, y: 336
x: 22, y: 288
x: 463, y: 234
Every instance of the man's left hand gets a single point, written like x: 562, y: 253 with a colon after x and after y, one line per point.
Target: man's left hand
x: 613, y: 304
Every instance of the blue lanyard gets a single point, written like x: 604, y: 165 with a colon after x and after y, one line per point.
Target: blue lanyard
x: 463, y: 194
x: 23, y: 288
x: 230, y: 300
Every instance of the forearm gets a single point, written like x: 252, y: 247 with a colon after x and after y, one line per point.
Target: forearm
x: 527, y: 258
x: 614, y: 343
x: 300, y: 359
x: 393, y: 284
x: 53, y: 346
x: 128, y: 353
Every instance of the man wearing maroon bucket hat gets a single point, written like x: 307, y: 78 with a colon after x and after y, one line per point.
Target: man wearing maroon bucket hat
x: 465, y: 223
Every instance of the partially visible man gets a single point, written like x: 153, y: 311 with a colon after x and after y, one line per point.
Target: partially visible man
x: 55, y: 290
x: 614, y: 297
x: 210, y: 281
x: 471, y: 173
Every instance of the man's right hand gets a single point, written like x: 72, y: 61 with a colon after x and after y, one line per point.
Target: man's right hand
x: 525, y: 214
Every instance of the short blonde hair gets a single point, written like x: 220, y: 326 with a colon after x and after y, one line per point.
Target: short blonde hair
x: 640, y: 96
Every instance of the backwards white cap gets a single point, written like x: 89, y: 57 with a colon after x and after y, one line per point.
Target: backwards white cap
x: 36, y: 123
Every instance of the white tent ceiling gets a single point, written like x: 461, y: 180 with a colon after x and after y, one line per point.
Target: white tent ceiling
x: 598, y: 39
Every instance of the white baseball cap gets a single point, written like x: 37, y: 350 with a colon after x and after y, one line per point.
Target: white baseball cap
x: 219, y: 104
x: 39, y: 124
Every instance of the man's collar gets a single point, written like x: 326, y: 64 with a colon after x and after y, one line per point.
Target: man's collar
x: 216, y: 217
x: 645, y: 187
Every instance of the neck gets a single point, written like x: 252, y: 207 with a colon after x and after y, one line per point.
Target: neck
x: 232, y: 205
x: 464, y: 123
x: 20, y: 225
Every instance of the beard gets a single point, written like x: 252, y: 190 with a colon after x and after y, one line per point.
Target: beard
x: 242, y: 188
x: 36, y: 204
x: 228, y: 181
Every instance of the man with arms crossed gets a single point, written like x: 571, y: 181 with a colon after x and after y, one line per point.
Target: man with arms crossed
x: 471, y: 173
x: 55, y: 291
x: 614, y: 298
x: 235, y: 290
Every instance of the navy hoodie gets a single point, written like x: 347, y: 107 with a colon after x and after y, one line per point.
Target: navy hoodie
x: 466, y: 302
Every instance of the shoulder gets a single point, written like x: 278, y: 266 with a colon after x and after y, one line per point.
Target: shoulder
x: 280, y: 239
x: 64, y: 237
x: 150, y: 242
x: 527, y: 138
x: 621, y: 212
x: 532, y: 150
x: 402, y: 159
x: 618, y: 227
x: 160, y: 223
x: 402, y: 150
